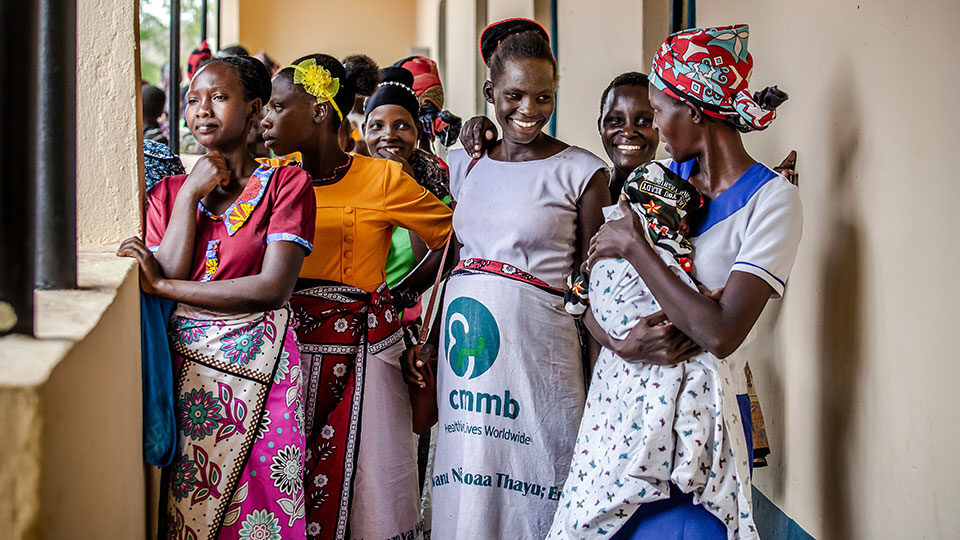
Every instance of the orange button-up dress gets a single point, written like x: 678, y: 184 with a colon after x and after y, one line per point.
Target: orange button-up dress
x: 356, y: 217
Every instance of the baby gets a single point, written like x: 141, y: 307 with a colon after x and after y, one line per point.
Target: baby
x: 644, y: 425
x: 669, y: 205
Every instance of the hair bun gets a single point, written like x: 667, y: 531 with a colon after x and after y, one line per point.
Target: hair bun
x: 495, y: 33
x: 770, y: 98
x: 396, y: 74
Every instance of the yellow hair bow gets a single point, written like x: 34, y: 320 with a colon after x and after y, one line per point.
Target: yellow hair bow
x: 318, y: 82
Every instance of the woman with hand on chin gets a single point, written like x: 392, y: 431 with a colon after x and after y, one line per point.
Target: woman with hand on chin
x: 227, y: 242
x: 361, y: 461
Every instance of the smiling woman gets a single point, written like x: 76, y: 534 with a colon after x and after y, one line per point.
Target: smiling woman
x: 626, y: 127
x: 525, y: 213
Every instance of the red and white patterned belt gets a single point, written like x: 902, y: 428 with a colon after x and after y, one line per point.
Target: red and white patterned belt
x: 508, y: 271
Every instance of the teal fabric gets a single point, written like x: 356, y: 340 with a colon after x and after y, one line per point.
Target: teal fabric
x: 159, y: 421
x: 772, y: 522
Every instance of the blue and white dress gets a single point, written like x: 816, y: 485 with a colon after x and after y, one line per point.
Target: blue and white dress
x: 754, y: 226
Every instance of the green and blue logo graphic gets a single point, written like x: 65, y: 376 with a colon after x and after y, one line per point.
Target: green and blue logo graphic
x: 473, y: 338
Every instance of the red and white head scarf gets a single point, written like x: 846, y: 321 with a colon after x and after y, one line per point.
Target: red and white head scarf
x: 711, y: 68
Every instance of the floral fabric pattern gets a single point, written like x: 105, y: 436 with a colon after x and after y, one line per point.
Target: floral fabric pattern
x: 239, y: 470
x: 646, y: 426
x: 199, y: 414
x: 335, y: 332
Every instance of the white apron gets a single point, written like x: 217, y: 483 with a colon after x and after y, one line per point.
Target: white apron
x: 511, y: 393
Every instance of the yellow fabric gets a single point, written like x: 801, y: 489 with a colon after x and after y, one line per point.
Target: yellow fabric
x: 281, y: 161
x: 356, y: 217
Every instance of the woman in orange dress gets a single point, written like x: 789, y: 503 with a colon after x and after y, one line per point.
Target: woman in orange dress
x: 361, y: 477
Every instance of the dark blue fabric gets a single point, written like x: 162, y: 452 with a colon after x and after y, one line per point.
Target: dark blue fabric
x: 158, y: 163
x: 678, y: 518
x: 683, y: 169
x: 159, y: 421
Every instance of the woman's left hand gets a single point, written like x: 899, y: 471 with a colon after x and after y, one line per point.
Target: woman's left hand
x: 618, y: 238
x: 151, y: 276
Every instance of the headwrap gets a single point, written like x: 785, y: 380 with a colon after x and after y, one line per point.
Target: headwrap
x: 197, y: 56
x: 317, y: 81
x: 395, y: 88
x: 495, y: 33
x: 426, y: 79
x: 434, y: 121
x: 663, y: 198
x: 711, y: 68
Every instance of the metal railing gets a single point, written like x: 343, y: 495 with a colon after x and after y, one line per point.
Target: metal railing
x: 38, y: 217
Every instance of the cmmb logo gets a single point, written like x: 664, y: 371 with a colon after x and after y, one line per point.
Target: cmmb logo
x: 473, y: 338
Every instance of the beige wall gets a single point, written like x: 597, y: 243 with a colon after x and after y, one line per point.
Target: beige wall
x: 288, y: 29
x: 70, y: 455
x: 860, y: 381
x: 109, y: 159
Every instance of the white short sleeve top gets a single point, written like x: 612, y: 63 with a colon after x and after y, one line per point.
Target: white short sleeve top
x: 754, y: 226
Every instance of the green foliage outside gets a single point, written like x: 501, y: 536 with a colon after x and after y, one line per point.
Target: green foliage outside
x: 155, y: 34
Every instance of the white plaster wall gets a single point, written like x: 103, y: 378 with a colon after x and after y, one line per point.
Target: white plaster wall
x: 109, y: 158
x: 858, y: 382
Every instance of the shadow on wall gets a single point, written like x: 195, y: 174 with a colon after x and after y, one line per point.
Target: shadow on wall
x: 842, y: 315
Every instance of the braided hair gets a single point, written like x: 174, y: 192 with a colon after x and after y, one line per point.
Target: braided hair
x: 522, y: 46
x: 253, y: 76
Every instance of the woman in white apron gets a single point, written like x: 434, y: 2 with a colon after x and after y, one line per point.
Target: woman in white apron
x: 510, y: 374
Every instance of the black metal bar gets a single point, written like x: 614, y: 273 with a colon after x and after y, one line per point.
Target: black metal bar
x: 173, y: 87
x: 219, y: 40
x: 17, y: 119
x: 203, y: 21
x: 691, y: 13
x: 676, y: 16
x: 56, y: 151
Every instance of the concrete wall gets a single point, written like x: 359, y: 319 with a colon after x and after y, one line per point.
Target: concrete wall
x: 109, y: 159
x: 859, y: 379
x: 71, y: 461
x: 385, y: 31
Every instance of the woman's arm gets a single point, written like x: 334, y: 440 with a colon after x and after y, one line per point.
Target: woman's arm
x: 175, y: 254
x: 652, y: 341
x: 270, y: 289
x: 719, y: 326
x: 589, y: 220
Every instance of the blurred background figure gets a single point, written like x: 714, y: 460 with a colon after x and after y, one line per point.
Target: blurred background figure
x: 153, y: 100
x: 233, y: 50
x: 272, y: 66
x: 436, y: 124
x: 365, y: 74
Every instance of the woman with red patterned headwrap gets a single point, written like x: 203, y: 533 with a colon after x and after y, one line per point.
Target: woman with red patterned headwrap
x: 744, y: 249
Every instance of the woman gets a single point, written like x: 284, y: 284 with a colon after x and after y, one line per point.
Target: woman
x: 361, y: 475
x: 227, y: 242
x: 510, y: 377
x: 745, y: 245
x: 630, y: 140
x: 391, y: 130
